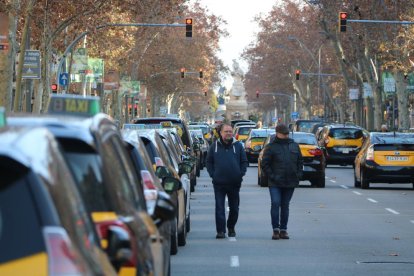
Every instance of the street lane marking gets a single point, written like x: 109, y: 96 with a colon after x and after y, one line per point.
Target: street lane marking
x: 345, y: 187
x: 333, y: 181
x: 234, y: 261
x: 412, y: 221
x: 232, y: 239
x: 357, y: 193
x: 372, y: 200
x: 392, y: 211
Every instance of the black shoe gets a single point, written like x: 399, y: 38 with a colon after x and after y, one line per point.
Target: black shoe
x: 220, y: 235
x: 276, y: 235
x: 232, y: 233
x: 284, y: 235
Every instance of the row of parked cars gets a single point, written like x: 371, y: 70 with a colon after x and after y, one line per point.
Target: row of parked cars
x: 377, y: 157
x: 96, y: 200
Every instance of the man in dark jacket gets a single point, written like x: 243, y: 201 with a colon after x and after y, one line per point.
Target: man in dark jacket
x: 226, y: 164
x: 283, y: 164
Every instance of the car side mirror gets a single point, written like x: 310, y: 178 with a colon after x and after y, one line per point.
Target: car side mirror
x: 164, y: 207
x: 171, y: 184
x: 184, y: 168
x: 162, y: 172
x: 119, y: 246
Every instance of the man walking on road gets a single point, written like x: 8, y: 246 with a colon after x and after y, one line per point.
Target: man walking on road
x: 283, y: 164
x: 226, y: 164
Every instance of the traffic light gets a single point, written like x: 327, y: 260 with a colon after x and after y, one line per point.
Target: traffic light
x: 297, y: 73
x: 257, y: 94
x: 189, y: 27
x: 182, y: 72
x: 201, y: 73
x: 54, y: 88
x: 205, y: 94
x: 343, y: 16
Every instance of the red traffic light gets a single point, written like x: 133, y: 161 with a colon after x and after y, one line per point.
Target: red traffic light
x: 205, y: 93
x: 297, y: 73
x: 343, y: 16
x: 54, y: 88
x: 182, y: 72
x: 201, y: 73
x: 189, y: 27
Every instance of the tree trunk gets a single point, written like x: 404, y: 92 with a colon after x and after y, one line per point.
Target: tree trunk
x: 402, y: 98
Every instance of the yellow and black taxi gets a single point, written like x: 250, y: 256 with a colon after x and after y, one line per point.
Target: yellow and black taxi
x: 154, y: 189
x: 341, y: 143
x: 313, y: 159
x: 164, y: 167
x: 241, y: 132
x: 255, y: 141
x: 385, y: 157
x: 95, y: 152
x: 45, y: 228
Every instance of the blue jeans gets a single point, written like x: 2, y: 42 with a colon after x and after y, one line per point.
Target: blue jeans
x: 233, y: 197
x: 280, y: 199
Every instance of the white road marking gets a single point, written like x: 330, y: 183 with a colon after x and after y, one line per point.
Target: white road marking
x: 357, y: 193
x: 345, y: 187
x: 234, y: 261
x: 412, y: 221
x: 232, y: 239
x: 333, y: 181
x: 392, y: 211
x: 372, y: 200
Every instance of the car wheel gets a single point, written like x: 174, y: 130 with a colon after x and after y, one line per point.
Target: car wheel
x: 357, y: 183
x: 174, y: 238
x: 182, y: 236
x: 364, y: 181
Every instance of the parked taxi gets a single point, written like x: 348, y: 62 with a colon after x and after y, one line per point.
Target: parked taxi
x: 254, y: 143
x: 385, y: 157
x: 313, y: 159
x: 44, y: 226
x: 104, y: 174
x: 341, y: 143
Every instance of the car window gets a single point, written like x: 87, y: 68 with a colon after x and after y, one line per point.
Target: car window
x: 18, y: 214
x: 345, y: 133
x: 116, y: 178
x: 244, y: 130
x: 86, y: 165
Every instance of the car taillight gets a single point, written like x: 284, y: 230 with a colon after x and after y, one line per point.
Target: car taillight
x: 237, y: 136
x: 370, y: 153
x: 315, y: 152
x: 63, y: 259
x: 158, y: 162
x: 147, y: 180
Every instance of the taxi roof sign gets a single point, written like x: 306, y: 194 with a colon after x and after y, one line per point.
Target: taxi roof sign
x: 2, y: 117
x: 74, y: 105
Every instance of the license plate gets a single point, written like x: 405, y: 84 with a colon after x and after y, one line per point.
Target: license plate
x: 397, y: 158
x: 345, y: 150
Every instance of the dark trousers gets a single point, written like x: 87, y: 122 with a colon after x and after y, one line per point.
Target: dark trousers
x: 233, y: 197
x: 280, y: 199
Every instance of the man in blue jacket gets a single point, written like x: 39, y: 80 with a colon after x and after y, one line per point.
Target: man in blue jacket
x: 226, y: 164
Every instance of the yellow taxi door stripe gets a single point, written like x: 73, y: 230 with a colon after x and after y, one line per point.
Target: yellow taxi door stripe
x: 33, y: 265
x: 103, y: 216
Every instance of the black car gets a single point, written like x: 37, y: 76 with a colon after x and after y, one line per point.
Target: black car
x: 182, y: 130
x: 44, y: 225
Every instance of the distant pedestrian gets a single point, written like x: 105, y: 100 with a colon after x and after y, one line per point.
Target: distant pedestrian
x: 226, y: 164
x: 384, y: 128
x: 282, y: 163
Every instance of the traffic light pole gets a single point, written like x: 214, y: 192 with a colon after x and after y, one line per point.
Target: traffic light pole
x: 76, y: 40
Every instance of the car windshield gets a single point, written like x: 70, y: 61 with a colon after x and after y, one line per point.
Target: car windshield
x: 261, y: 132
x: 345, y: 133
x: 304, y: 139
x: 391, y: 139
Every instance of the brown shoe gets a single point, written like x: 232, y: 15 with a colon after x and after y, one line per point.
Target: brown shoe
x: 284, y: 235
x: 275, y: 235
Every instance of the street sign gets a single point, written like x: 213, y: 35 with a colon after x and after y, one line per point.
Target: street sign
x: 294, y: 115
x: 367, y: 90
x: 63, y: 79
x: 31, y: 64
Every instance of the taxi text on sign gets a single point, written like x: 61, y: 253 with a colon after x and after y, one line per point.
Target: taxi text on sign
x: 31, y: 65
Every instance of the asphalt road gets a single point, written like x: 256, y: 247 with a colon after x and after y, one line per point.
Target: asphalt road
x: 337, y: 230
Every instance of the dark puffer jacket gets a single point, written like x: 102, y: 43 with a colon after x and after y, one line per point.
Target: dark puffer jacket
x: 227, y: 164
x: 282, y: 163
